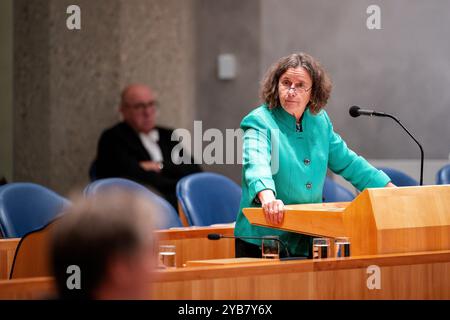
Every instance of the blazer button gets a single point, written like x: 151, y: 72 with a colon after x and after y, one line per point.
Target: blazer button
x: 306, y: 162
x: 309, y: 185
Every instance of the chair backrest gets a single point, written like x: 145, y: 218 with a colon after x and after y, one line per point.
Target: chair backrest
x: 334, y: 192
x: 443, y: 175
x: 167, y: 216
x: 399, y: 178
x: 208, y: 198
x: 25, y: 207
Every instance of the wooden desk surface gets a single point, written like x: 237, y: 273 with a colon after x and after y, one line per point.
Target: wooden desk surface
x: 423, y: 275
x: 193, y: 232
x: 309, y: 265
x: 229, y: 261
x: 295, y: 266
x: 191, y: 244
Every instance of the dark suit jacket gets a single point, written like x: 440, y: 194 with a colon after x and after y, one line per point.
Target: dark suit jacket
x: 120, y: 150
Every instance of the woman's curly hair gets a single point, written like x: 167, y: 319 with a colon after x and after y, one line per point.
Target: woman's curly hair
x: 321, y: 82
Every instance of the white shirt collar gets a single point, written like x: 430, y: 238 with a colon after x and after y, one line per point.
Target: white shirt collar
x: 152, y: 135
x: 150, y: 142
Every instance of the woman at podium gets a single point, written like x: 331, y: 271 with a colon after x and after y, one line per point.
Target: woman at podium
x: 289, y: 143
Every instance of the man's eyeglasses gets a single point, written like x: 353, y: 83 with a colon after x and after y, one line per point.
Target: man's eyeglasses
x: 299, y: 87
x: 144, y: 105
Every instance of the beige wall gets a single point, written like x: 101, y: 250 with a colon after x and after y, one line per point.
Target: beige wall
x: 157, y: 46
x: 227, y: 26
x: 67, y: 83
x: 6, y: 89
x: 403, y: 69
x: 68, y: 88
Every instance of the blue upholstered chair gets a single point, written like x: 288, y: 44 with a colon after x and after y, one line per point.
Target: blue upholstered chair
x: 399, y: 178
x: 334, y: 192
x: 443, y: 175
x: 108, y: 184
x: 25, y: 207
x: 208, y: 198
x: 167, y: 216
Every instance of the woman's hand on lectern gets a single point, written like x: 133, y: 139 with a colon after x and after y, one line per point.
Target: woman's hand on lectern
x: 273, y: 208
x: 390, y: 185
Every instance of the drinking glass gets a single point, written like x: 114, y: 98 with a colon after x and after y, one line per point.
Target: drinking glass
x: 342, y: 247
x: 167, y: 254
x: 270, y: 247
x: 321, y: 248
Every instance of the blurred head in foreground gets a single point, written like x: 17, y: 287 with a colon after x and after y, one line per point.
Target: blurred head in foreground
x: 106, y: 244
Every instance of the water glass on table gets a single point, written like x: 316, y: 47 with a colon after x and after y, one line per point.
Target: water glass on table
x: 167, y: 255
x: 321, y: 248
x: 270, y: 247
x: 342, y: 247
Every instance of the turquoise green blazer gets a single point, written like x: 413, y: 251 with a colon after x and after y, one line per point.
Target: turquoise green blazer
x: 292, y: 161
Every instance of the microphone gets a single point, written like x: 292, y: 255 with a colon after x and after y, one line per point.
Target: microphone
x: 218, y: 236
x: 215, y: 236
x: 356, y: 111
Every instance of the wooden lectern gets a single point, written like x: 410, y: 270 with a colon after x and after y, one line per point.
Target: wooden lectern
x: 378, y: 221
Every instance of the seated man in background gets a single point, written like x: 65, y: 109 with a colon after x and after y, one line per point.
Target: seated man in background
x: 139, y: 150
x: 109, y: 238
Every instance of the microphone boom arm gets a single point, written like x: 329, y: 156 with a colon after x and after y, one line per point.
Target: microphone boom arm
x: 410, y: 134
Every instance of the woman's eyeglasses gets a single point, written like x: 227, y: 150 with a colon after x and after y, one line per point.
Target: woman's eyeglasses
x: 299, y: 87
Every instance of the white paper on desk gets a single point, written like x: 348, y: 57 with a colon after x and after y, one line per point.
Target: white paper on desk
x: 224, y: 225
x: 186, y: 228
x: 218, y: 225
